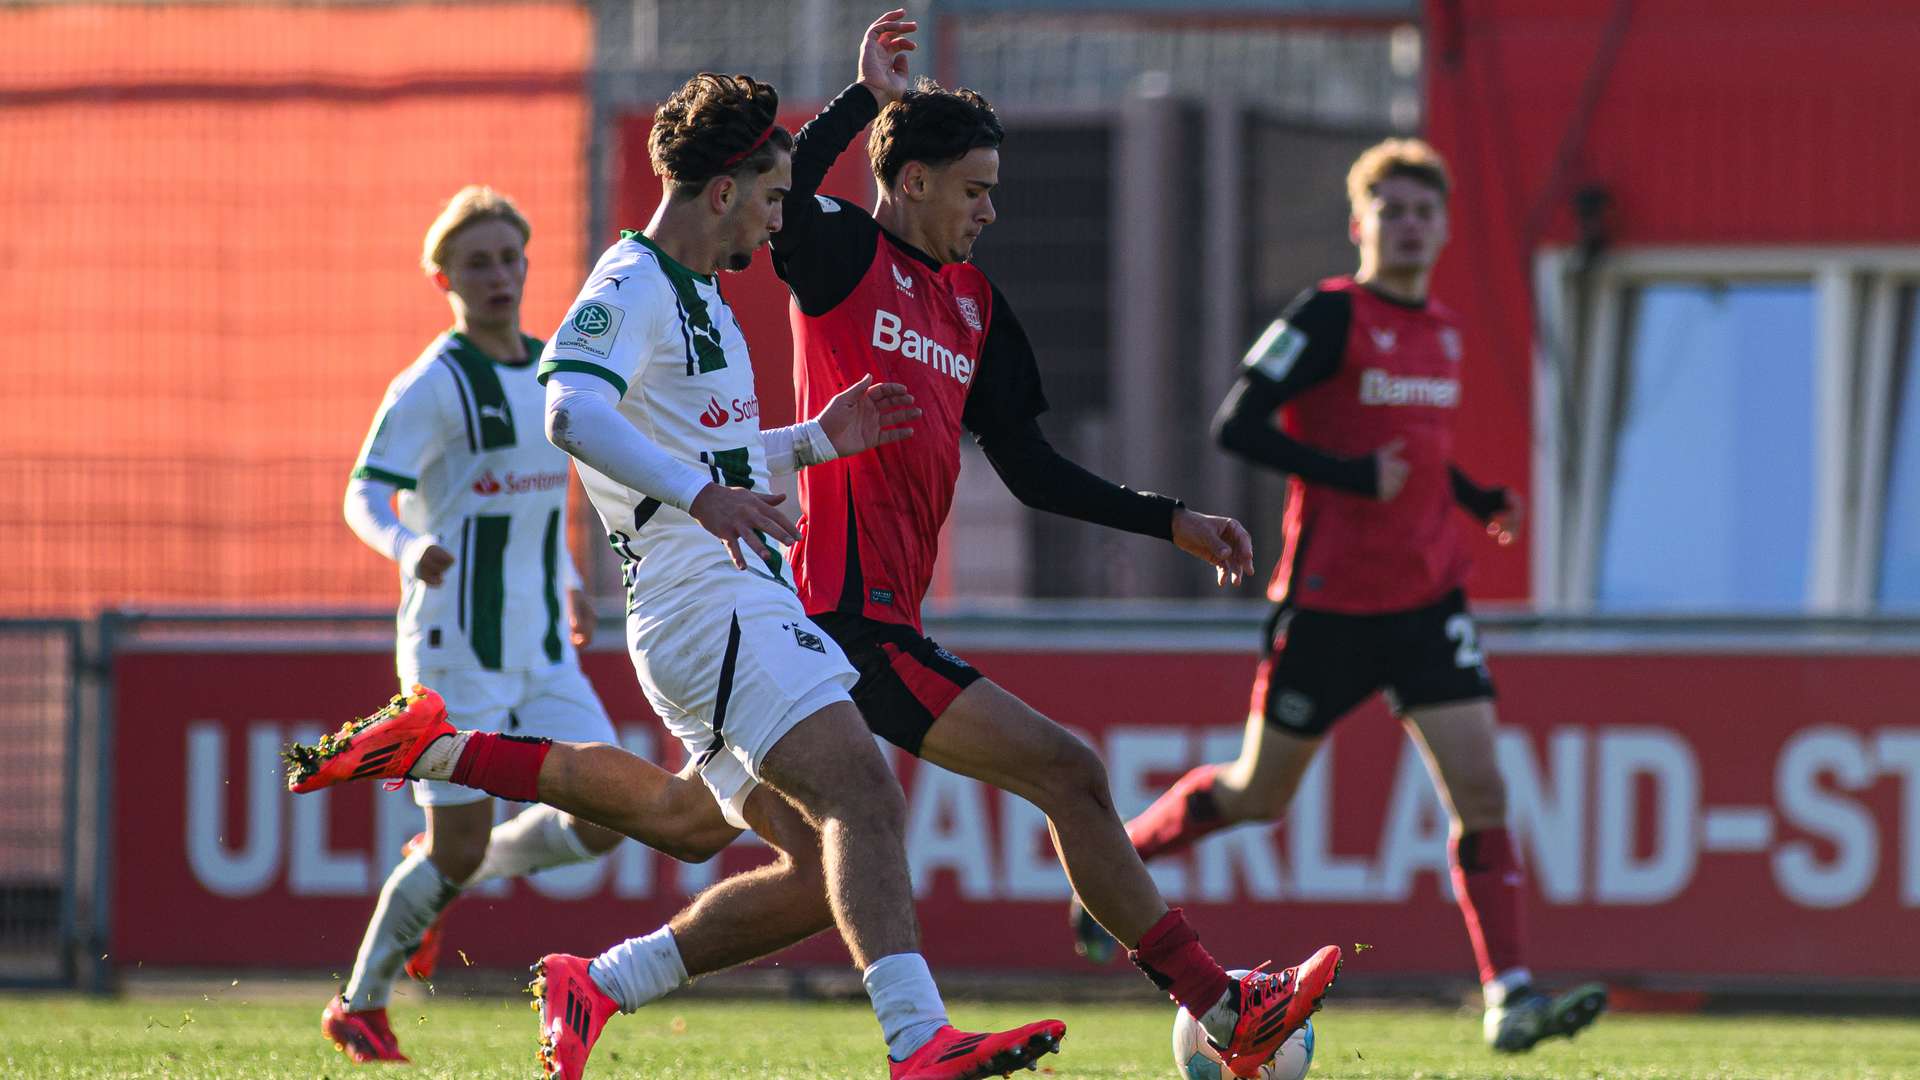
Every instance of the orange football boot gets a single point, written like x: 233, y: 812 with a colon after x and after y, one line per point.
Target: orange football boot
x: 382, y: 746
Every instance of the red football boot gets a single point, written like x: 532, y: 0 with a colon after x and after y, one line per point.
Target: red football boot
x: 1274, y: 1006
x: 426, y: 956
x: 963, y: 1055
x: 363, y: 1036
x: 572, y: 1011
x: 382, y: 746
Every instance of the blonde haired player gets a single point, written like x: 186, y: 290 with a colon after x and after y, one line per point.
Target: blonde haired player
x: 1354, y: 392
x: 491, y: 609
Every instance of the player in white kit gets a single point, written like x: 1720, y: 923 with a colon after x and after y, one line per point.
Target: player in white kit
x: 650, y: 388
x: 491, y: 607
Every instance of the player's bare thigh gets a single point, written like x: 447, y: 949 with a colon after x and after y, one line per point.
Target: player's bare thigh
x: 1457, y: 740
x: 1259, y: 784
x: 992, y: 736
x: 828, y: 766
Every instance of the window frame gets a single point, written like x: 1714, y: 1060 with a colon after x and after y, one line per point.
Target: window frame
x: 1579, y: 370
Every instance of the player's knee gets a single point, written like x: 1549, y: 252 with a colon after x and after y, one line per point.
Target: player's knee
x: 878, y: 799
x: 1072, y: 774
x: 457, y: 854
x: 689, y: 826
x: 803, y: 865
x: 1480, y: 802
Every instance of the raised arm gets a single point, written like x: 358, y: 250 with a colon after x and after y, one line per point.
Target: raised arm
x: 825, y: 245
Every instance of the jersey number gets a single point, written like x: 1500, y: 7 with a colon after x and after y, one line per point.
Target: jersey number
x: 1460, y: 630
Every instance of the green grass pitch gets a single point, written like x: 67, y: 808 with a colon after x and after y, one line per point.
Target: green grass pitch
x: 56, y: 1037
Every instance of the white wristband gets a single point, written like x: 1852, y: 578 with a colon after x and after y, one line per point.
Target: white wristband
x: 813, y: 446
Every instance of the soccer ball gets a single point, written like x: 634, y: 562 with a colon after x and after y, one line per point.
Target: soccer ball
x: 1195, y: 1058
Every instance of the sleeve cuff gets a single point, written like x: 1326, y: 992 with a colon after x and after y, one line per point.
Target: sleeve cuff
x: 409, y: 554
x: 819, y: 448
x: 683, y: 499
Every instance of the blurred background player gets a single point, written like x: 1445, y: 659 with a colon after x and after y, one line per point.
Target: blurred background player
x: 491, y: 609
x: 1368, y: 591
x: 891, y: 295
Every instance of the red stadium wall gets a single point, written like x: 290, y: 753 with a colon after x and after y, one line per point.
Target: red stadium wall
x: 1709, y: 122
x: 210, y: 227
x: 1679, y: 818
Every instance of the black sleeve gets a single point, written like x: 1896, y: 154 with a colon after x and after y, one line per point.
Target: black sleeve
x: 1300, y: 350
x: 1039, y: 477
x: 1006, y: 387
x: 1001, y: 410
x: 1481, y: 502
x: 825, y: 245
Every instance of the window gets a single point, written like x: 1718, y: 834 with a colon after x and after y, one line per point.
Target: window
x: 1728, y: 431
x: 1899, y: 577
x: 1711, y: 489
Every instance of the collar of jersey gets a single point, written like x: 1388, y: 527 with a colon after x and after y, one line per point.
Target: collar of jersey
x: 1409, y: 305
x: 641, y: 238
x: 932, y: 263
x: 465, y: 344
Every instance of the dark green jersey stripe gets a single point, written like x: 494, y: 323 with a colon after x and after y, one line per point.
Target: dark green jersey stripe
x: 550, y: 558
x: 734, y: 468
x: 488, y: 581
x: 548, y: 367
x: 698, y: 331
x: 374, y: 472
x: 492, y: 418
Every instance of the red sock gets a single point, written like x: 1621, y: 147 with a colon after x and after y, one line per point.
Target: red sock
x: 1183, y: 815
x: 1171, y: 955
x: 503, y: 765
x: 1486, y: 882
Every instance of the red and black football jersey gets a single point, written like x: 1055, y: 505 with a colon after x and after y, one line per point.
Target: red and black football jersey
x: 867, y: 302
x: 1357, y: 370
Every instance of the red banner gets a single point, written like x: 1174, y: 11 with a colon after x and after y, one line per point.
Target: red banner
x: 1716, y: 816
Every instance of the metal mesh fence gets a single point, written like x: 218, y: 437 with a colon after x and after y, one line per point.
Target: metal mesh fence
x: 212, y: 214
x: 38, y: 704
x: 213, y: 217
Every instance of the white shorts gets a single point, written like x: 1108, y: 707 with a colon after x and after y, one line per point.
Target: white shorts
x: 733, y: 671
x: 551, y: 703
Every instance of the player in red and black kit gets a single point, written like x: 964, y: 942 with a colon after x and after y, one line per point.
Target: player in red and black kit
x: 1364, y: 372
x: 891, y: 293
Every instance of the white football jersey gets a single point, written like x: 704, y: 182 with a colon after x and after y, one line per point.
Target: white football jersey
x: 463, y: 438
x: 664, y: 337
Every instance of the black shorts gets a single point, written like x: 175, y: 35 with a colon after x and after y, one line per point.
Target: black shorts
x: 906, y: 680
x: 1320, y: 664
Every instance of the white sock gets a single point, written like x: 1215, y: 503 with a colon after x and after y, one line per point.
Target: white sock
x: 415, y: 892
x: 1505, y: 983
x: 640, y: 970
x: 438, y: 760
x: 906, y: 1001
x: 534, y: 839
